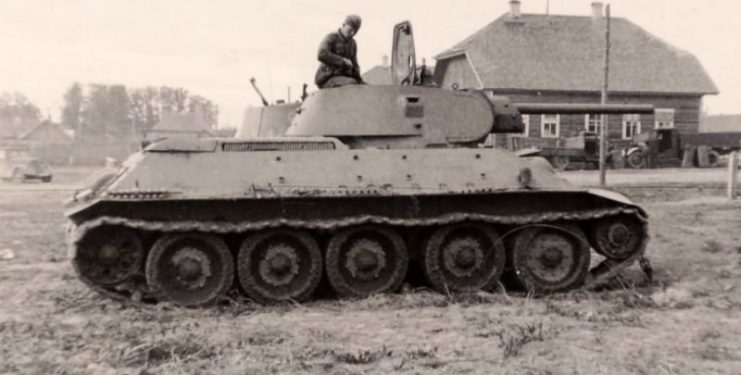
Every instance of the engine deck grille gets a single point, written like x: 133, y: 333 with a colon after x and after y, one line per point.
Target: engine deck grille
x: 277, y: 146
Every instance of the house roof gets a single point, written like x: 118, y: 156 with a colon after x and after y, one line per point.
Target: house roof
x: 182, y: 123
x: 378, y: 75
x: 547, y: 52
x: 46, y: 131
x: 381, y: 74
x: 11, y: 128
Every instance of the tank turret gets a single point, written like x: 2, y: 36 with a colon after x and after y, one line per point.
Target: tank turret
x: 421, y: 116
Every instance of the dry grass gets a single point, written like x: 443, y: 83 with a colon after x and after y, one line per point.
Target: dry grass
x: 688, y: 321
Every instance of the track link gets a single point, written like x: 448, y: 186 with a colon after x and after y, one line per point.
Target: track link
x: 136, y: 291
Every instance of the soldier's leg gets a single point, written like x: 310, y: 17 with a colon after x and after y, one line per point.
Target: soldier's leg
x: 339, y: 81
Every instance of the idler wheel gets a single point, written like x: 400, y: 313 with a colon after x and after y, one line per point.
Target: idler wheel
x: 190, y: 269
x: 550, y: 258
x: 464, y: 257
x: 366, y: 260
x: 279, y: 265
x: 108, y: 255
x: 618, y: 237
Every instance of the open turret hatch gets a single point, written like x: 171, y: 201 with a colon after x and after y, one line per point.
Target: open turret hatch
x: 403, y: 59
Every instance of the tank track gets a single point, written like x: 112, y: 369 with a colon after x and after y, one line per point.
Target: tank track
x: 136, y: 291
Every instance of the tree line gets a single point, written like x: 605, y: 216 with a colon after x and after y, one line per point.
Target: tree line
x: 109, y: 112
x: 15, y: 107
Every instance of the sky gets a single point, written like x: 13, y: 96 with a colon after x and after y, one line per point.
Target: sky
x: 213, y: 47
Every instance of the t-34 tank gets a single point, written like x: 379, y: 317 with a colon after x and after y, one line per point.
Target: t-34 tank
x: 367, y: 180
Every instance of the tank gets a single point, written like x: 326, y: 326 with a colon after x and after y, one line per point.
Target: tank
x: 366, y: 183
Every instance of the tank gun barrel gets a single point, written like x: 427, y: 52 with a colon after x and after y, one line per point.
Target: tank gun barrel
x: 580, y: 108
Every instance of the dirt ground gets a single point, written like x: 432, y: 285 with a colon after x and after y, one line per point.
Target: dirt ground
x: 687, y: 321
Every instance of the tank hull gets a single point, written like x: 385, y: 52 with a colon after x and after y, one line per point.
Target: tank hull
x: 314, y: 203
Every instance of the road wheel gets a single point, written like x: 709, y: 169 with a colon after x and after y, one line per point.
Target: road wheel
x: 279, y: 265
x: 636, y: 159
x: 550, y: 258
x: 366, y: 260
x: 190, y: 269
x: 560, y: 162
x: 108, y: 256
x: 618, y: 237
x: 464, y: 257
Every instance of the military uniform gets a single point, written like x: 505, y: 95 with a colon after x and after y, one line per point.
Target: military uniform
x: 332, y: 71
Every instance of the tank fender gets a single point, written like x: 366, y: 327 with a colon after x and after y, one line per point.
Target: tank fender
x: 611, y: 195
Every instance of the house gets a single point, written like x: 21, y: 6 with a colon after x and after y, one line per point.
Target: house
x: 379, y: 74
x: 555, y: 58
x: 191, y: 125
x: 720, y: 124
x: 12, y: 127
x: 45, y: 132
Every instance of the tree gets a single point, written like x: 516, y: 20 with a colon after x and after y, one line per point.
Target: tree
x: 18, y: 113
x: 203, y: 106
x: 16, y: 105
x: 106, y: 113
x: 118, y: 115
x: 173, y: 99
x: 144, y: 109
x: 72, y: 110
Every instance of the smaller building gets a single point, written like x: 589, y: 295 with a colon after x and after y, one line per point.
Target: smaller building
x: 46, y: 132
x: 720, y: 124
x: 12, y: 128
x: 189, y: 125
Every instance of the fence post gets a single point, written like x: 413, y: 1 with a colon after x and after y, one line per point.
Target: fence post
x: 732, y: 175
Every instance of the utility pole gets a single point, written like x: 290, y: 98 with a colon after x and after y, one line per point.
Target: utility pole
x: 603, y: 133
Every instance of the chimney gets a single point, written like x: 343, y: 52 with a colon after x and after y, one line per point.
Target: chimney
x: 597, y: 9
x: 385, y: 60
x: 514, y: 9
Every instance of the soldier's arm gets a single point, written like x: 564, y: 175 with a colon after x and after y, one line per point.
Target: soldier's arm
x: 355, y: 65
x: 326, y: 55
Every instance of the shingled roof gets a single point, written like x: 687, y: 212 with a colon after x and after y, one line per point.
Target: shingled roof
x: 565, y: 53
x: 381, y: 75
x: 378, y: 75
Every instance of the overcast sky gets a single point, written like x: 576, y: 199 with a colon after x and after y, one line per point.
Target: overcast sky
x: 213, y: 47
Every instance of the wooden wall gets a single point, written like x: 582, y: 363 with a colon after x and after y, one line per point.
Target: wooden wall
x: 686, y: 110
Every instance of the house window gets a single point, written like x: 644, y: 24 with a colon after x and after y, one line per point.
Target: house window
x: 549, y: 126
x: 664, y: 118
x: 592, y: 123
x: 525, y: 127
x: 631, y: 126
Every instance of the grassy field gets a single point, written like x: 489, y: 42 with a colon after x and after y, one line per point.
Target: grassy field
x: 687, y: 321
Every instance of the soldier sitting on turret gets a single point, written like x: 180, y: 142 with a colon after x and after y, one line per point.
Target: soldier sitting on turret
x: 338, y: 57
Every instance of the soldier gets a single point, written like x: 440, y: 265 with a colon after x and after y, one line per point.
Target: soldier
x: 338, y: 57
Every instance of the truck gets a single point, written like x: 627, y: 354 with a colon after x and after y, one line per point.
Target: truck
x: 668, y: 147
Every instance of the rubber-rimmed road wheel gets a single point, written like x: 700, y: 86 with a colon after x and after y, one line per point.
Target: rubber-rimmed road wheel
x: 108, y: 255
x: 550, y: 258
x: 464, y: 257
x: 366, y: 260
x: 190, y: 269
x: 617, y: 237
x: 279, y: 265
